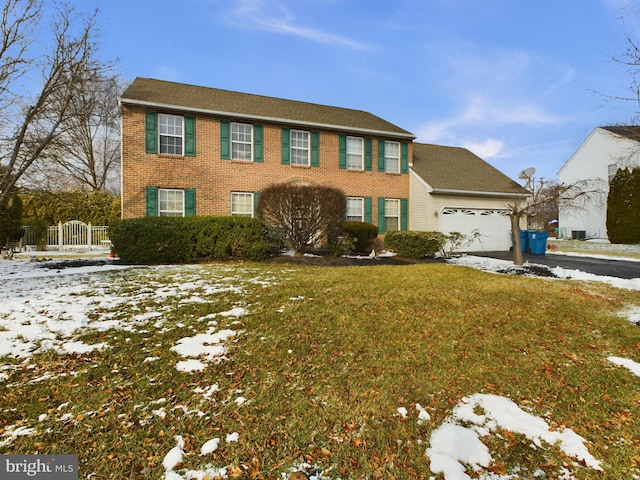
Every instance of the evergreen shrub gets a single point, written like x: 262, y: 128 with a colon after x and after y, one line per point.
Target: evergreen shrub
x: 362, y: 232
x: 415, y: 244
x: 623, y: 207
x: 168, y: 240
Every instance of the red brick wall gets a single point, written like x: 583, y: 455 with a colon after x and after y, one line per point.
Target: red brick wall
x: 214, y: 179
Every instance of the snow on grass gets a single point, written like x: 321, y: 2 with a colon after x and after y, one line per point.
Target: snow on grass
x: 456, y: 445
x: 42, y: 309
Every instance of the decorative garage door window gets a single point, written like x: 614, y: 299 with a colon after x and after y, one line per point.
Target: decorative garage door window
x: 486, y: 228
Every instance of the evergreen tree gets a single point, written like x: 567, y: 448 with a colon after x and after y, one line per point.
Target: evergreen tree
x: 623, y: 207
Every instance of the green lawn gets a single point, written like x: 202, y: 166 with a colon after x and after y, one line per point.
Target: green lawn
x: 320, y: 361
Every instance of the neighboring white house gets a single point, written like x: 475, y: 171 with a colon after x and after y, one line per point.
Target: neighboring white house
x: 453, y: 190
x: 593, y: 165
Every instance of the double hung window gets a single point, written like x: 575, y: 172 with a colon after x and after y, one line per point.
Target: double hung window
x: 241, y: 141
x: 392, y: 157
x: 170, y: 129
x: 241, y: 204
x: 170, y: 203
x: 299, y: 148
x: 355, y: 209
x: 392, y: 214
x: 355, y: 153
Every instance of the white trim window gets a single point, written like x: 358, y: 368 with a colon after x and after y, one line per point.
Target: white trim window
x: 355, y: 209
x: 171, y: 134
x: 170, y: 202
x: 612, y: 169
x: 241, y: 204
x: 299, y: 148
x: 392, y: 157
x: 241, y: 141
x: 355, y: 153
x: 391, y: 214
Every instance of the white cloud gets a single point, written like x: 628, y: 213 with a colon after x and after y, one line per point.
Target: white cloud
x: 274, y: 17
x: 487, y: 149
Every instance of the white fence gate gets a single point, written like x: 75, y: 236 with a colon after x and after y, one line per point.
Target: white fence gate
x: 77, y: 235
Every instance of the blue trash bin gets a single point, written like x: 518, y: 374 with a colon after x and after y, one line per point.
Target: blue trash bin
x: 524, y: 241
x: 538, y: 241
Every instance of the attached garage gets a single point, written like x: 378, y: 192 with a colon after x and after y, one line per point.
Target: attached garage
x: 453, y: 190
x: 489, y: 228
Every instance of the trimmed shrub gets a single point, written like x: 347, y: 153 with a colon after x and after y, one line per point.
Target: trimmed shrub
x: 167, y: 240
x: 362, y: 232
x: 415, y: 244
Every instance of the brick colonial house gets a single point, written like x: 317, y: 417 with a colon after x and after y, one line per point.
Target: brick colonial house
x: 190, y: 150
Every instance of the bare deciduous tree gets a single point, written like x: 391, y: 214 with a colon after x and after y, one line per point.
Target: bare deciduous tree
x: 301, y: 215
x: 34, y: 120
x: 545, y: 195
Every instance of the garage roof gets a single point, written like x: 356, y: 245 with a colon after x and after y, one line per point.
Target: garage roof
x: 455, y: 170
x: 178, y: 96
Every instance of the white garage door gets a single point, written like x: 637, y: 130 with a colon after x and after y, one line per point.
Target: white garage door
x: 489, y: 228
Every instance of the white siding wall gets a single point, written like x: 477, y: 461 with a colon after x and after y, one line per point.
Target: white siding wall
x: 590, y: 163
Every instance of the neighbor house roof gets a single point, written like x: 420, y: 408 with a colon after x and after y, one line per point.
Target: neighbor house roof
x: 457, y: 171
x: 631, y: 132
x: 190, y: 98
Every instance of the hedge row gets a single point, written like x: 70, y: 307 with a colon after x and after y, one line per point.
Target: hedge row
x: 415, y: 244
x: 166, y: 240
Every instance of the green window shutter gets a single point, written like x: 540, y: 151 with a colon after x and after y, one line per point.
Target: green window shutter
x: 381, y: 155
x: 286, y: 147
x: 225, y: 140
x: 257, y: 144
x: 367, y: 209
x: 315, y: 149
x: 256, y: 197
x: 151, y: 199
x: 368, y: 161
x: 381, y: 222
x: 189, y: 202
x: 405, y: 157
x: 404, y: 214
x: 151, y: 132
x: 189, y: 137
x: 342, y: 151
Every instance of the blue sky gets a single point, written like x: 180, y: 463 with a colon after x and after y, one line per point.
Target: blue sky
x: 519, y: 83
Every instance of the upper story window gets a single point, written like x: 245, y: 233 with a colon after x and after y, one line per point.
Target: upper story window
x: 299, y: 148
x: 392, y: 157
x: 355, y: 209
x: 241, y: 204
x: 355, y: 153
x: 241, y: 141
x: 170, y: 203
x: 170, y: 129
x: 392, y: 214
x: 612, y: 170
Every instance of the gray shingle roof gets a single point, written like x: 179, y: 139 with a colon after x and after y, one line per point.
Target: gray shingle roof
x: 631, y: 132
x: 457, y: 170
x: 178, y: 96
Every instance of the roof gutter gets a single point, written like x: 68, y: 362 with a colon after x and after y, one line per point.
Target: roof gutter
x: 266, y: 119
x: 446, y: 191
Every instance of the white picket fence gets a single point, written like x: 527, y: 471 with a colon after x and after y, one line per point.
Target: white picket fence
x: 72, y: 235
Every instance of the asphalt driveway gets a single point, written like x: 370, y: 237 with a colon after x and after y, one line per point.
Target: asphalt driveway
x: 596, y: 266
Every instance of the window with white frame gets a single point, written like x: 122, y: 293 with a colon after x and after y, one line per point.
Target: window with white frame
x: 355, y: 156
x: 391, y: 214
x: 241, y: 141
x: 299, y: 147
x: 170, y: 203
x: 241, y: 204
x: 355, y: 209
x: 612, y: 170
x: 171, y: 130
x: 392, y: 157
